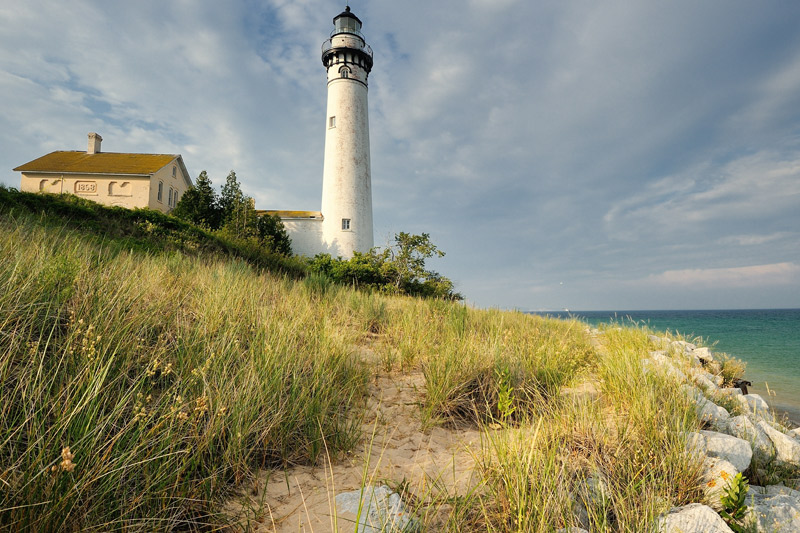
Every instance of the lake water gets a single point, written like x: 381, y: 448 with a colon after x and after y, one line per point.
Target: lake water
x: 768, y: 340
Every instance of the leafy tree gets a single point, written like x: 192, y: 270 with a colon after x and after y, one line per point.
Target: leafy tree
x: 272, y: 234
x: 238, y: 211
x: 200, y: 204
x: 397, y: 269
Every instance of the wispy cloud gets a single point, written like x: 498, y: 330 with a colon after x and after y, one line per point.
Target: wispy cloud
x: 730, y: 278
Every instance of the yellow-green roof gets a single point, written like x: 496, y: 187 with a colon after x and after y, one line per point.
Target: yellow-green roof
x: 74, y: 162
x: 291, y: 214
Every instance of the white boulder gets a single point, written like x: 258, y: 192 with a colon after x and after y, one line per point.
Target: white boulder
x: 711, y: 413
x: 734, y: 450
x: 787, y: 449
x: 763, y: 449
x: 778, y: 513
x: 694, y: 518
x: 717, y: 475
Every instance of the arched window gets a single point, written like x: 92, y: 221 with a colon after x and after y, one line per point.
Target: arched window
x: 344, y: 72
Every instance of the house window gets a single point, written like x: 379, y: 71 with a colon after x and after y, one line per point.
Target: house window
x: 174, y: 171
x: 160, y: 191
x: 345, y: 224
x: 332, y: 122
x: 170, y: 197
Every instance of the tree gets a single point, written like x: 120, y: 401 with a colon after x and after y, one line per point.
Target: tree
x: 409, y: 254
x: 272, y: 234
x: 397, y: 269
x: 238, y: 211
x: 200, y: 204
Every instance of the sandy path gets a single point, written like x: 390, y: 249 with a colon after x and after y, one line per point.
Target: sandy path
x: 394, y: 449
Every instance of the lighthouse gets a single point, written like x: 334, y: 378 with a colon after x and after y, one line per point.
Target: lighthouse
x: 346, y: 180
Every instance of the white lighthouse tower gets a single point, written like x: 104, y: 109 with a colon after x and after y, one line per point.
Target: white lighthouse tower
x: 346, y: 182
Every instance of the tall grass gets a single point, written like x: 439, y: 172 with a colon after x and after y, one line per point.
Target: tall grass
x: 610, y: 460
x: 162, y: 378
x: 139, y: 388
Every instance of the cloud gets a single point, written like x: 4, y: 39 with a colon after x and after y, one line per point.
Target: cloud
x: 535, y: 142
x: 730, y: 278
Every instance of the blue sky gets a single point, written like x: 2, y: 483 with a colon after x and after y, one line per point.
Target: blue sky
x: 564, y: 154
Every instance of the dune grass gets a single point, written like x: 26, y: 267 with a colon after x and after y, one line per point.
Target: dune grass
x: 140, y: 387
x: 163, y: 378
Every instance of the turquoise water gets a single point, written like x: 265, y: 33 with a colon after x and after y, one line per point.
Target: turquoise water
x: 767, y: 340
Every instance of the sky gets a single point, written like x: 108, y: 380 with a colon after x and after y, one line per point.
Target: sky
x: 565, y: 154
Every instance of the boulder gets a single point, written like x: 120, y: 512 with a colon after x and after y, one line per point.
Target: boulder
x: 712, y: 414
x: 730, y: 391
x: 661, y: 342
x: 779, y: 513
x: 717, y: 474
x: 696, y: 444
x: 787, y: 449
x: 734, y: 450
x: 705, y: 381
x: 692, y: 518
x: 382, y: 510
x: 703, y: 353
x: 661, y: 363
x: 743, y: 428
x: 753, y: 404
x: 794, y: 433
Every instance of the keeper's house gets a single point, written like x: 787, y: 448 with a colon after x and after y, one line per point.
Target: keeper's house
x: 156, y: 181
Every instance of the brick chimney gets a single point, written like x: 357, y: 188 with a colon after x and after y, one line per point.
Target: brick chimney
x: 94, y: 143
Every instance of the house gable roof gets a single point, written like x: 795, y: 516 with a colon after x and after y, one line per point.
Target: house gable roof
x: 76, y: 162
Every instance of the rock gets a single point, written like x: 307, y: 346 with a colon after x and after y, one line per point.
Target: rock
x: 787, y: 450
x: 775, y: 490
x: 743, y: 428
x: 661, y: 342
x: 730, y: 391
x: 703, y: 353
x: 734, y: 450
x: 755, y: 405
x: 705, y: 381
x: 794, y: 433
x: 712, y: 414
x: 660, y: 362
x: 382, y: 510
x: 692, y: 392
x: 774, y: 514
x: 696, y: 444
x: 717, y: 475
x: 692, y: 518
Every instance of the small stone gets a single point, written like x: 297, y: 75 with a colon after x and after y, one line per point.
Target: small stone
x: 734, y: 450
x: 692, y: 518
x: 382, y: 510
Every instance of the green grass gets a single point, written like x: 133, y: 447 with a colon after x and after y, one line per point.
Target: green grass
x: 148, y: 374
x: 168, y: 378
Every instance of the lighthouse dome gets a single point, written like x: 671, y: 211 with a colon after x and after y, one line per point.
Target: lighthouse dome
x: 346, y: 22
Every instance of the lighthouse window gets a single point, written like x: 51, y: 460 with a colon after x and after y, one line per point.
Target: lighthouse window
x: 332, y: 122
x: 344, y: 72
x: 345, y: 224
